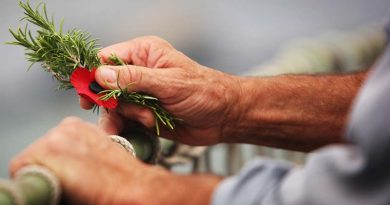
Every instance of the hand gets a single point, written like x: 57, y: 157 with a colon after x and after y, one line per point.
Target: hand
x: 94, y: 170
x: 202, y: 97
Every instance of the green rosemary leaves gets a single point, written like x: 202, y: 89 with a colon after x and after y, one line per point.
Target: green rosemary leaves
x: 60, y: 53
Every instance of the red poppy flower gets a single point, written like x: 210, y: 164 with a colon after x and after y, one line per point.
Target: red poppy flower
x: 84, y: 82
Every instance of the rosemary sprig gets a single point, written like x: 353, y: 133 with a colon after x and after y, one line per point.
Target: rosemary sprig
x: 161, y: 115
x: 60, y: 53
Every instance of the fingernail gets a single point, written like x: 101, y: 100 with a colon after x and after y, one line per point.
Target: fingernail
x: 108, y: 75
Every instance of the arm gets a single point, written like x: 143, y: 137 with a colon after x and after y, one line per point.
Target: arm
x: 354, y: 174
x: 294, y: 111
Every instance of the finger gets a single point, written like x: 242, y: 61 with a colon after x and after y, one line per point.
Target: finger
x: 28, y: 156
x: 138, y: 113
x: 110, y: 122
x: 122, y: 50
x: 132, y: 78
x: 18, y: 162
x: 85, y: 104
x: 138, y: 51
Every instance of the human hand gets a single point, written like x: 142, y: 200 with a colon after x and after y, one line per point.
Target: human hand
x: 94, y: 170
x: 202, y: 97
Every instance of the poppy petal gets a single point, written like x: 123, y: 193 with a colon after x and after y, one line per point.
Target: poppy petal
x: 81, y: 78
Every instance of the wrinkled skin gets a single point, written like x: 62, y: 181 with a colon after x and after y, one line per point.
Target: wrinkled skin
x: 202, y: 97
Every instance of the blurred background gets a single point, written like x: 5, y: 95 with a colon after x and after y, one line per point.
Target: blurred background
x: 232, y: 36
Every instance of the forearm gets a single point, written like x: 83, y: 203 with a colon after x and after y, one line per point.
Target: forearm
x: 169, y: 188
x: 298, y: 112
x: 194, y: 189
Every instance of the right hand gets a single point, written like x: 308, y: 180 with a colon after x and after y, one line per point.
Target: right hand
x: 203, y: 98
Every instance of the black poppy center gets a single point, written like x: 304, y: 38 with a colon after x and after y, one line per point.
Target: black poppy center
x: 95, y: 87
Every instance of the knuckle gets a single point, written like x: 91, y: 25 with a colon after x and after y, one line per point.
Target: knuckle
x: 62, y: 141
x: 71, y: 121
x: 68, y: 129
x: 55, y: 135
x: 56, y: 138
x: 157, y: 40
x: 154, y: 38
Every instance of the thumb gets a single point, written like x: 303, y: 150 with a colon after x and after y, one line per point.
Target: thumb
x: 129, y: 77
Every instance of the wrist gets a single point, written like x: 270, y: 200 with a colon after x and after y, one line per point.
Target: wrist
x: 241, y: 109
x: 267, y: 113
x: 260, y: 114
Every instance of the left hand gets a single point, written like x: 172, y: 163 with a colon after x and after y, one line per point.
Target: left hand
x: 94, y: 170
